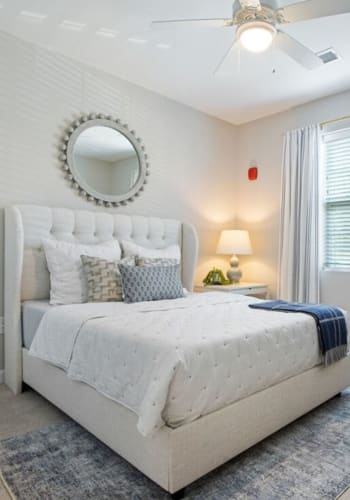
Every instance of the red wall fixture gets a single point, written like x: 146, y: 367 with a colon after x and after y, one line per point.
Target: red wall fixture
x: 252, y: 173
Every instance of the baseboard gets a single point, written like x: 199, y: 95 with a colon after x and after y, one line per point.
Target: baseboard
x: 2, y: 376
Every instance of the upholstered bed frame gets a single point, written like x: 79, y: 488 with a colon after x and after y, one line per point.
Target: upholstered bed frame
x: 173, y: 458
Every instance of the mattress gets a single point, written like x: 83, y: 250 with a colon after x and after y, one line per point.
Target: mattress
x: 173, y: 361
x: 32, y: 312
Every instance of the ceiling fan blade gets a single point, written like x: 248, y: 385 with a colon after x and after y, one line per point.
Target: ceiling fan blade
x: 216, y: 23
x: 313, y: 9
x: 226, y: 56
x: 297, y: 51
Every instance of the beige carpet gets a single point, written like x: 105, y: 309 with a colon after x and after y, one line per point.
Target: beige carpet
x: 21, y: 414
x: 29, y: 412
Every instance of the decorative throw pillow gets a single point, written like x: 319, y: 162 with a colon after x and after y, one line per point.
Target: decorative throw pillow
x: 170, y: 252
x: 67, y: 284
x: 103, y: 279
x: 147, y: 262
x: 151, y: 283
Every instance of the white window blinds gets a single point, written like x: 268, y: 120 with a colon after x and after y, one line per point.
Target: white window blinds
x: 337, y: 199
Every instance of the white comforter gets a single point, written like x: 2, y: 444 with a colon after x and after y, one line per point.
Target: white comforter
x: 173, y: 361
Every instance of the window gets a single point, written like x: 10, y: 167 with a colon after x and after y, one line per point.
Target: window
x: 336, y: 156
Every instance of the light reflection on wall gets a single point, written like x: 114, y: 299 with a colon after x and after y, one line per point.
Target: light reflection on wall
x: 216, y: 215
x: 217, y: 207
x: 261, y: 220
x: 256, y: 213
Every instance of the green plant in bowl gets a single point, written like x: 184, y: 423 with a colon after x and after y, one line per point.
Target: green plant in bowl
x: 216, y: 277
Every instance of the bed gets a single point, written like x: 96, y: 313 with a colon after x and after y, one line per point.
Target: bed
x: 184, y: 448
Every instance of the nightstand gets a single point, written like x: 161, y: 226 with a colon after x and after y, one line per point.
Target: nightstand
x: 244, y: 288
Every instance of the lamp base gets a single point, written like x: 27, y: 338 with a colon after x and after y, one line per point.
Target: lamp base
x: 234, y: 274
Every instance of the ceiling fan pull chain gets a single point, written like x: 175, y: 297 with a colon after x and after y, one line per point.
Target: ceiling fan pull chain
x: 239, y: 58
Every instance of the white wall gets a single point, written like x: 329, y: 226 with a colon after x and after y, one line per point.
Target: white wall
x: 124, y: 174
x: 257, y: 203
x: 97, y: 173
x: 106, y: 177
x: 191, y: 154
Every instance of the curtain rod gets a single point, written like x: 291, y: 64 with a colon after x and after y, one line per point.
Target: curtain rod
x: 323, y: 124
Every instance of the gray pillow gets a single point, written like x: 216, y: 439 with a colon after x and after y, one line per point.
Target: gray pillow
x: 151, y: 283
x: 103, y: 279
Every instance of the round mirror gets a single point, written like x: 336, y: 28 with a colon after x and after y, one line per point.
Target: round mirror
x: 105, y: 161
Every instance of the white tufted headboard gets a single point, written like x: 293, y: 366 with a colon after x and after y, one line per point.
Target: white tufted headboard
x: 26, y: 274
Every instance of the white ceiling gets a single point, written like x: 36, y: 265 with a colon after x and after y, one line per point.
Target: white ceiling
x: 104, y: 144
x: 115, y: 36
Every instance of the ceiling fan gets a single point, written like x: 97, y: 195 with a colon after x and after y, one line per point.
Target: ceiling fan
x: 257, y: 22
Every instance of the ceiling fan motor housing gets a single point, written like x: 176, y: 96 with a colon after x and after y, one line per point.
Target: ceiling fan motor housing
x: 265, y: 14
x: 270, y: 4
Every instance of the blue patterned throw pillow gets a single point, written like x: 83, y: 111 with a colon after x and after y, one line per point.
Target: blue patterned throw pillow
x: 151, y: 283
x: 147, y: 262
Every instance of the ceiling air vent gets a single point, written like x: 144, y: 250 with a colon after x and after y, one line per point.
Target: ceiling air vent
x: 328, y: 55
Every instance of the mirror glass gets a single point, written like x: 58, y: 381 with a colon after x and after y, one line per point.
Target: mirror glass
x: 106, y: 161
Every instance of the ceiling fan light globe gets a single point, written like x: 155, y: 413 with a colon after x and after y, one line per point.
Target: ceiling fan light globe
x: 256, y: 36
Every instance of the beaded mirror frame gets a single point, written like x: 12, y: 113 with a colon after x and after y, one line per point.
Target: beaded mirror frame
x: 75, y: 179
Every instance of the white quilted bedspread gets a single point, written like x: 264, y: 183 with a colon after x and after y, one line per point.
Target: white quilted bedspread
x: 173, y: 361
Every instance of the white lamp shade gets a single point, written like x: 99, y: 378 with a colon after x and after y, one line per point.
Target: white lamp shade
x: 234, y: 241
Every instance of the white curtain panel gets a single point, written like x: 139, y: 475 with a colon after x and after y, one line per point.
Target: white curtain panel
x: 299, y: 267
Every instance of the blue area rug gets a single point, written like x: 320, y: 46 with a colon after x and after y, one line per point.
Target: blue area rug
x: 309, y: 459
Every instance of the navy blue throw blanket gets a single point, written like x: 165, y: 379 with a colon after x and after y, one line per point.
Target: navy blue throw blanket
x: 330, y: 321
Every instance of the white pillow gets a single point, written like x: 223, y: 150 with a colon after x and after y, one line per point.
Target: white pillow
x: 65, y: 267
x: 170, y: 252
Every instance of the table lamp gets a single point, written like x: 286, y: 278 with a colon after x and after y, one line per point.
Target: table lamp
x: 234, y: 242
